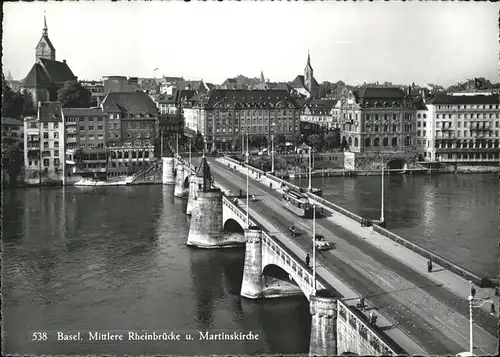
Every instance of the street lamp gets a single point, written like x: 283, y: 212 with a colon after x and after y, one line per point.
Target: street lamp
x: 247, y: 153
x: 189, y: 152
x: 382, y: 206
x: 475, y: 303
x: 310, y: 169
x: 314, y: 249
x: 272, y: 147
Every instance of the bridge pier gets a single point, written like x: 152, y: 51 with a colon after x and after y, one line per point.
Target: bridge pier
x: 206, y: 229
x: 193, y: 190
x: 323, y: 308
x: 179, y: 190
x: 251, y: 286
x: 168, y: 176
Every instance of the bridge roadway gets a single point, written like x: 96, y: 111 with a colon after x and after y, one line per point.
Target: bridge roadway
x: 433, y: 317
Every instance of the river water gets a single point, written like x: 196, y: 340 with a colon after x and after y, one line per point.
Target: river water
x: 455, y: 216
x: 114, y: 259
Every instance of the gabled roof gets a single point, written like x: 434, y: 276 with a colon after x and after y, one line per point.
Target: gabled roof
x: 46, y: 38
x: 37, y: 77
x: 298, y: 82
x: 464, y: 99
x: 59, y: 72
x: 181, y: 95
x: 250, y: 98
x: 50, y: 111
x: 129, y: 102
x: 82, y: 111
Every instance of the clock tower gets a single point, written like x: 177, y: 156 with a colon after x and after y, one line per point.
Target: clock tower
x: 45, y: 49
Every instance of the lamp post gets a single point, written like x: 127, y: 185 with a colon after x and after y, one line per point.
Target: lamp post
x: 382, y: 205
x: 314, y: 249
x: 161, y: 139
x: 189, y: 152
x: 177, y: 135
x: 247, y: 153
x: 272, y: 148
x: 310, y: 169
x: 471, y: 344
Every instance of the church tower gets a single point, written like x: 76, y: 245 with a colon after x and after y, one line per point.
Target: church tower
x: 45, y: 49
x: 308, y: 74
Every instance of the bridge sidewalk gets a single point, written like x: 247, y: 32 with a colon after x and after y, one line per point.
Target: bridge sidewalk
x: 454, y: 283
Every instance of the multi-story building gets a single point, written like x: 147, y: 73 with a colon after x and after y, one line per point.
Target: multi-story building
x: 318, y: 111
x: 120, y: 84
x: 12, y: 132
x: 85, y: 151
x: 44, y: 144
x: 132, y: 130
x: 227, y: 114
x: 96, y: 90
x: 378, y: 119
x: 462, y: 128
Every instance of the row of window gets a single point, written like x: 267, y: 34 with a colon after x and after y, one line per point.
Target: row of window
x: 469, y: 116
x: 90, y: 128
x: 469, y: 106
x: 474, y: 125
x: 92, y: 137
x: 46, y: 162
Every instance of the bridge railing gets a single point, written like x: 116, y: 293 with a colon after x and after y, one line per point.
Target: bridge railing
x: 334, y: 207
x: 297, y: 263
x: 378, y: 341
x: 436, y: 258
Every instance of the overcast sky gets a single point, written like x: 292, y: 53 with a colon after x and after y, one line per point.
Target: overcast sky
x: 401, y: 42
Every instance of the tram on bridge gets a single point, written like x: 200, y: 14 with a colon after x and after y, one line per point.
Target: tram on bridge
x: 297, y: 203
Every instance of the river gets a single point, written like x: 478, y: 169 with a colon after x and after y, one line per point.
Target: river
x: 114, y: 259
x: 455, y: 216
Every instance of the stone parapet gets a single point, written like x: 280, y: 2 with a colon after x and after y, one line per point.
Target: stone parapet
x: 251, y: 286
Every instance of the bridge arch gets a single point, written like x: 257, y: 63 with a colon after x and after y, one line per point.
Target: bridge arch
x: 275, y: 271
x: 232, y: 226
x: 348, y: 353
x: 186, y: 182
x: 396, y: 163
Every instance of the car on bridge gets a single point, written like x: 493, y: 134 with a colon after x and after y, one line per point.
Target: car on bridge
x: 321, y: 243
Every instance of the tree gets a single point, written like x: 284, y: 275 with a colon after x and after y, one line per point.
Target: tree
x: 12, y: 102
x: 314, y: 140
x: 332, y: 139
x: 12, y: 160
x: 74, y: 95
x: 199, y: 143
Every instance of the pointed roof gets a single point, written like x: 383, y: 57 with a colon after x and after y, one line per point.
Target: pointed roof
x: 203, y: 170
x: 262, y: 79
x: 45, y: 35
x: 59, y: 72
x: 37, y: 77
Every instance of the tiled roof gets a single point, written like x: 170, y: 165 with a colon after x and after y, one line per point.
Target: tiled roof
x: 166, y: 99
x: 185, y: 94
x: 130, y: 102
x: 372, y: 93
x: 230, y: 80
x: 37, y: 77
x: 464, y: 99
x: 82, y: 111
x: 419, y: 105
x: 50, y: 112
x: 320, y: 106
x: 172, y: 79
x: 59, y: 72
x: 250, y: 98
x: 210, y: 85
x: 298, y: 82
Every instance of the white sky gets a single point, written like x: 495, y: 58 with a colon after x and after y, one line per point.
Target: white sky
x: 401, y: 42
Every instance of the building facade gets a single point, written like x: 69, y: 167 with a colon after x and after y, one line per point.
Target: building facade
x: 318, y: 111
x: 462, y: 129
x: 96, y: 90
x: 86, y: 136
x: 133, y: 127
x: 44, y: 145
x: 228, y: 114
x: 377, y: 119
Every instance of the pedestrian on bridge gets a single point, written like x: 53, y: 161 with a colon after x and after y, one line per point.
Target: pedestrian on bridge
x: 429, y: 265
x: 473, y: 292
x: 307, y: 260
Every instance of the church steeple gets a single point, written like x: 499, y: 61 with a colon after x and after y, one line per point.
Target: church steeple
x: 45, y: 29
x: 308, y: 74
x: 262, y: 79
x: 45, y: 49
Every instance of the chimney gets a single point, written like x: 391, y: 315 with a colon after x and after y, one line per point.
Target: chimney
x: 64, y: 61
